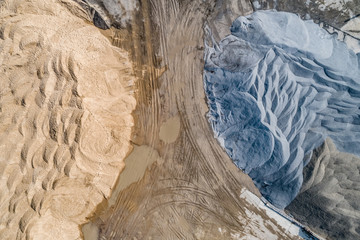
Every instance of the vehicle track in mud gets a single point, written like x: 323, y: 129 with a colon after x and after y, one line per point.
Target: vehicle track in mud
x: 193, y: 188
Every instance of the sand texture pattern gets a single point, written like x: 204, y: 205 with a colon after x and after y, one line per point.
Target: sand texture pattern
x: 66, y: 97
x: 178, y: 182
x: 329, y: 197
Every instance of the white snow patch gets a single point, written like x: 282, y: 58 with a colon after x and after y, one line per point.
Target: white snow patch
x: 222, y: 231
x: 333, y: 4
x: 352, y: 27
x: 121, y: 9
x: 290, y: 227
x: 256, y: 5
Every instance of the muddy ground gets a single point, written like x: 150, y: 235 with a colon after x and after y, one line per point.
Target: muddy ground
x: 178, y: 182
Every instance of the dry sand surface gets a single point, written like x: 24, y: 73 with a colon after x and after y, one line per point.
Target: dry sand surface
x: 66, y: 97
x: 329, y: 198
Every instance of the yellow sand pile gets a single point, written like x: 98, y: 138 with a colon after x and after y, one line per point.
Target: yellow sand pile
x: 66, y: 97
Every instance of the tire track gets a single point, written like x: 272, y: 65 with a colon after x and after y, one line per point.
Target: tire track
x: 193, y: 188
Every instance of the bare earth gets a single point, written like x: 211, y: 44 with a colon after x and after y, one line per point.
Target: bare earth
x: 74, y: 101
x: 190, y: 189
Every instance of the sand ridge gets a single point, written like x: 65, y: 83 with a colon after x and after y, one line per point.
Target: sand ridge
x: 66, y: 97
x: 329, y: 198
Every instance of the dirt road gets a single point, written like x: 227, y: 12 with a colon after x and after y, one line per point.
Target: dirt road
x: 178, y: 182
